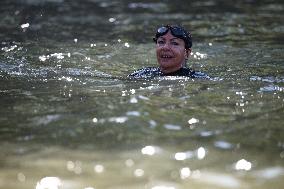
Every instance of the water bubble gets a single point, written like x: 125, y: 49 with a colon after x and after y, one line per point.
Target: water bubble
x: 95, y: 120
x: 148, y: 150
x: 42, y: 58
x: 243, y: 165
x: 192, y: 121
x: 26, y: 25
x: 8, y: 49
x: 123, y: 93
x: 132, y: 91
x: 118, y: 119
x: 139, y: 172
x: 126, y: 45
x: 199, y: 55
x: 133, y: 100
x: 201, y: 153
x: 180, y: 156
x: 49, y: 182
x: 184, y: 172
x: 99, y: 168
x: 56, y: 55
x: 111, y: 19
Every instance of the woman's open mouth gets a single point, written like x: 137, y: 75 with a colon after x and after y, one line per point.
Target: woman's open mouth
x: 166, y: 56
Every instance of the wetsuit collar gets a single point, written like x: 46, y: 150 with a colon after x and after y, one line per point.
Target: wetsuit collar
x: 181, y: 72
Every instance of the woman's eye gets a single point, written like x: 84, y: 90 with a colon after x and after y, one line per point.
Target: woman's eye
x: 175, y: 43
x: 160, y: 42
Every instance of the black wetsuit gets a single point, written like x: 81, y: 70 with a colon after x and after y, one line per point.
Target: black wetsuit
x: 150, y: 72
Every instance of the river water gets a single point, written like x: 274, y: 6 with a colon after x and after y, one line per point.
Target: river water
x: 70, y: 119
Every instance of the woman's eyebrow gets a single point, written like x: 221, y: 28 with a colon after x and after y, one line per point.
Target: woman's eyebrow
x: 175, y: 38
x: 162, y: 38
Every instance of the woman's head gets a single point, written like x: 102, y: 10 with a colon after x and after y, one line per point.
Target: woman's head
x: 173, y: 47
x: 177, y: 31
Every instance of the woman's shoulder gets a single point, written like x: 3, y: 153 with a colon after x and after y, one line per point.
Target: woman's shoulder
x: 150, y: 72
x: 146, y: 72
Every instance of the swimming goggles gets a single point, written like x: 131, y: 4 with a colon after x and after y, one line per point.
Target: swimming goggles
x: 176, y: 31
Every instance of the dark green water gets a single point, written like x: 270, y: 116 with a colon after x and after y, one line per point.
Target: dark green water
x: 70, y: 117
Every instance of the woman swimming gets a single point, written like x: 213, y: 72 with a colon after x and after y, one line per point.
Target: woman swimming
x: 173, y: 48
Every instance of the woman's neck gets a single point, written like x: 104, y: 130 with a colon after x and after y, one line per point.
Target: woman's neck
x: 170, y: 70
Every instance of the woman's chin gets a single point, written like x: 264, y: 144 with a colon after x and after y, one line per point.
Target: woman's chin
x: 168, y: 69
x: 165, y: 64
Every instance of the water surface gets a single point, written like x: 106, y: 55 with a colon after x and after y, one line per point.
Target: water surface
x: 71, y: 118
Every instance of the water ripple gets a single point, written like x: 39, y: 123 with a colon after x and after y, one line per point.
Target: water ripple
x: 271, y: 88
x: 269, y: 79
x: 152, y: 6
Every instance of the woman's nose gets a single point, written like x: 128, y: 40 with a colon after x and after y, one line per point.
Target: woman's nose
x: 166, y: 45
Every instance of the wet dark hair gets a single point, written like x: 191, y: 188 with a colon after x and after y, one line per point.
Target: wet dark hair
x: 177, y: 31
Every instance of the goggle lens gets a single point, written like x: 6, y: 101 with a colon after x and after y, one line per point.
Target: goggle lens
x: 162, y: 30
x: 177, y: 32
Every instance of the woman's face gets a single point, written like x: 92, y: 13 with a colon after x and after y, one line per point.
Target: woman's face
x: 171, y: 53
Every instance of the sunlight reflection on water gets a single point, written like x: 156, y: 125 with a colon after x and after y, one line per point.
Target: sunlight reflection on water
x: 49, y: 183
x: 72, y: 119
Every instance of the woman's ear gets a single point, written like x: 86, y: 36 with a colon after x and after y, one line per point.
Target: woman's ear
x: 187, y: 52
